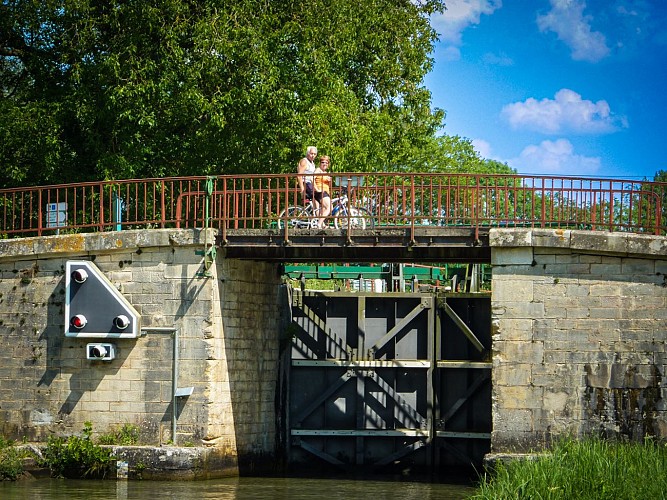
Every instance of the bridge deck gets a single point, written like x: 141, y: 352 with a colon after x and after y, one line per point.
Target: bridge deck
x: 423, y: 244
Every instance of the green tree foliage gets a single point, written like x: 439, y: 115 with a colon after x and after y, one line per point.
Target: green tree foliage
x: 455, y: 154
x: 118, y: 89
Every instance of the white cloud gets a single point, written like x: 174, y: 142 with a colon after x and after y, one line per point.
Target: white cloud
x: 554, y: 158
x: 547, y: 158
x: 500, y: 59
x: 450, y: 53
x: 482, y: 147
x: 459, y: 15
x: 566, y: 112
x: 566, y: 18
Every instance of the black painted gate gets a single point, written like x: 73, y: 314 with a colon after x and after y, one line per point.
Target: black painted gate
x: 389, y: 381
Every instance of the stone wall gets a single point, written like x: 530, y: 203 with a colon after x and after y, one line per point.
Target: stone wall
x: 227, y: 320
x: 579, y: 331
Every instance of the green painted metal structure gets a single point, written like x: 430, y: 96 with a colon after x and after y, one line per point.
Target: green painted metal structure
x: 381, y: 271
x: 396, y: 276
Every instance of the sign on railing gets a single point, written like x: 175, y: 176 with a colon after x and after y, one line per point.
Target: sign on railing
x: 56, y: 215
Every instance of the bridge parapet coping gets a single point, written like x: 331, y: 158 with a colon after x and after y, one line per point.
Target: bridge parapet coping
x: 75, y: 244
x: 623, y: 244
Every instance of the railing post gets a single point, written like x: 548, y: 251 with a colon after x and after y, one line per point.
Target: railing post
x: 658, y: 217
x: 101, y: 207
x: 117, y: 218
x: 614, y: 221
x: 412, y: 209
x: 224, y: 219
x: 475, y: 207
x: 543, y: 212
x: 593, y: 210
x: 40, y: 215
x: 236, y: 204
x: 207, y: 207
x: 283, y: 209
x: 162, y: 205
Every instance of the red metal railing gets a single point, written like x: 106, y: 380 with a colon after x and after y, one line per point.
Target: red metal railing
x: 255, y: 202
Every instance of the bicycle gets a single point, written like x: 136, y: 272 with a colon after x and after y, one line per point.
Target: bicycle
x: 341, y: 211
x: 300, y: 217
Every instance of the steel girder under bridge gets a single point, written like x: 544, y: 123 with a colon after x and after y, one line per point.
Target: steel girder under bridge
x: 388, y: 382
x: 409, y: 244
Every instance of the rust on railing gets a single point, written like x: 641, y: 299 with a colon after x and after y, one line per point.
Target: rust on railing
x: 410, y: 200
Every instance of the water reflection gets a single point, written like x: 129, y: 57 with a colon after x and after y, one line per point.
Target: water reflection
x: 231, y: 488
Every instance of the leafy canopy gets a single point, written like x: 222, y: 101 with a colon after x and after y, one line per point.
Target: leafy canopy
x: 128, y: 89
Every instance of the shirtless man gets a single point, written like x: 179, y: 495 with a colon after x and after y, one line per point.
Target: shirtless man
x: 305, y: 170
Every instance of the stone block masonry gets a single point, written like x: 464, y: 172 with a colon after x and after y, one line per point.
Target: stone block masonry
x: 579, y: 324
x: 579, y: 331
x: 226, y: 319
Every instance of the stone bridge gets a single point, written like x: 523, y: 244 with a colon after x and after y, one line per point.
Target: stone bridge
x: 578, y: 330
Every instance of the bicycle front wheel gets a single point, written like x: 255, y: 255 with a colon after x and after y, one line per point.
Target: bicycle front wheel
x: 365, y: 214
x: 349, y: 217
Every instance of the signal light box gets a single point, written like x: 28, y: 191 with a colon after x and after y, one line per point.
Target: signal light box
x: 94, y: 307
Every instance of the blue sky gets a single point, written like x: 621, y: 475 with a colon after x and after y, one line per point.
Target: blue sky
x: 557, y: 87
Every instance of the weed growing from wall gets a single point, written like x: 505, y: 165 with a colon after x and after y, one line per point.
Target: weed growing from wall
x: 128, y: 435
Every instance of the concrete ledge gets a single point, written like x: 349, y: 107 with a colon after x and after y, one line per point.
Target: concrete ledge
x: 82, y: 243
x: 170, y: 462
x: 598, y: 242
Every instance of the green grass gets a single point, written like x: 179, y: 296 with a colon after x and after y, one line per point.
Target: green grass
x: 590, y: 469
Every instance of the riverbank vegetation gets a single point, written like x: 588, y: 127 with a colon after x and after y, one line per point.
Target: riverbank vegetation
x: 74, y: 456
x: 11, y: 464
x: 589, y: 469
x: 77, y: 456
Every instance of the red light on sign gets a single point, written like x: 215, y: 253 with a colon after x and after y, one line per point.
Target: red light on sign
x: 78, y: 321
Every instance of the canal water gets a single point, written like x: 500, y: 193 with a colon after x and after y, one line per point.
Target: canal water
x: 245, y: 488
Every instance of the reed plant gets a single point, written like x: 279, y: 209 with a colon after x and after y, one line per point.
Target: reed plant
x: 592, y: 469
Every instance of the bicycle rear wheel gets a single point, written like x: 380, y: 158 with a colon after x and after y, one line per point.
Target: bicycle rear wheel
x: 294, y: 217
x: 344, y: 216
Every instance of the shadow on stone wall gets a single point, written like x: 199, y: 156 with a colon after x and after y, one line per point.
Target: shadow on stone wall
x: 622, y: 400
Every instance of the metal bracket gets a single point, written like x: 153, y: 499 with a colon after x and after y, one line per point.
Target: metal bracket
x: 183, y: 392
